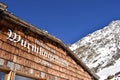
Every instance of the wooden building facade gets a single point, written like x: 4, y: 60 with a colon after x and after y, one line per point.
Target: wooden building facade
x: 28, y: 53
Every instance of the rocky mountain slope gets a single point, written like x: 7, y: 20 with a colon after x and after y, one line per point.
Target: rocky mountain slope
x: 101, y: 49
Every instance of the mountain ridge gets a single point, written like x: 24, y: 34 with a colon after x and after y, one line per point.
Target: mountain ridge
x: 100, y: 49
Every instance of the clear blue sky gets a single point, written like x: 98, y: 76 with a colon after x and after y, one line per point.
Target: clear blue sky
x: 68, y: 20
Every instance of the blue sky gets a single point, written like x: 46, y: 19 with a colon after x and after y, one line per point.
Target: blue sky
x: 68, y: 20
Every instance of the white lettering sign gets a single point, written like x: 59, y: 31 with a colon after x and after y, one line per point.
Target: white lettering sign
x: 45, y: 63
x: 10, y: 65
x: 2, y: 62
x: 14, y: 37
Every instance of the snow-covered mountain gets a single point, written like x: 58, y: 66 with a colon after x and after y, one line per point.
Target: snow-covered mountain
x: 100, y: 50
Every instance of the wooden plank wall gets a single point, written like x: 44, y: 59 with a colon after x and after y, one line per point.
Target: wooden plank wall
x: 13, y: 56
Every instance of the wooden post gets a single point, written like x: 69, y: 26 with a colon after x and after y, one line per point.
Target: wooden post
x: 13, y: 75
x: 10, y: 76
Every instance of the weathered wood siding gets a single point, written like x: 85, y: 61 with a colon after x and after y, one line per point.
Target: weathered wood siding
x: 38, y: 56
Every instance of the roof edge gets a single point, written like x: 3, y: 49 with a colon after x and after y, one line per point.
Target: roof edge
x: 83, y: 65
x: 3, y: 6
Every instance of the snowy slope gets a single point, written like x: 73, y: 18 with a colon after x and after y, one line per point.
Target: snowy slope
x: 109, y: 70
x: 101, y: 49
